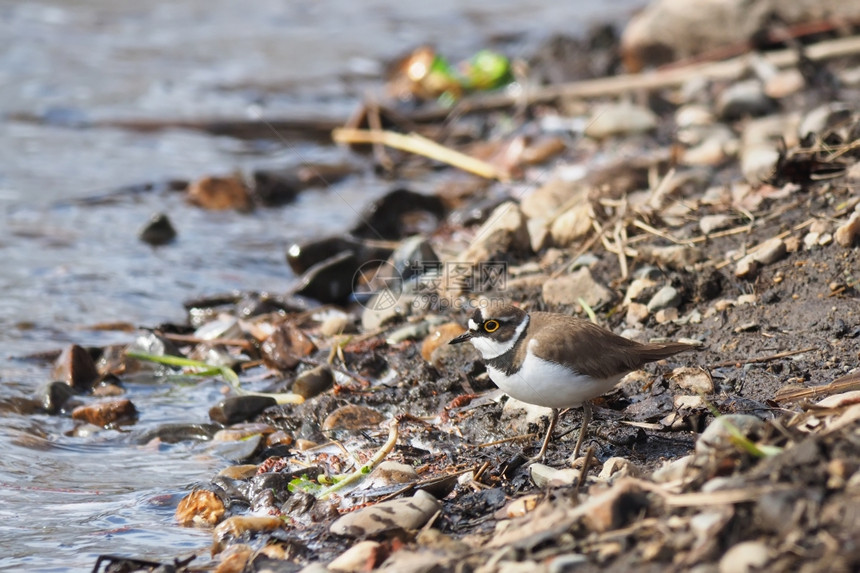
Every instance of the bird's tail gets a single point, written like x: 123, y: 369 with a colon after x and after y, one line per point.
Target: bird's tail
x: 652, y: 352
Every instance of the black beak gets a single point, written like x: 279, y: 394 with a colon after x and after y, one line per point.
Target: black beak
x: 462, y: 338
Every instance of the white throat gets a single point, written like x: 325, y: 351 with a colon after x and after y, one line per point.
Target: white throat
x: 490, y: 348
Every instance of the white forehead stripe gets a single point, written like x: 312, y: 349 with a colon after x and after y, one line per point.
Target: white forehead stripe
x: 473, y: 325
x: 490, y: 348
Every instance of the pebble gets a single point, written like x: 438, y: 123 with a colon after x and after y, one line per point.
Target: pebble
x: 235, y: 559
x: 439, y: 336
x: 313, y: 382
x: 617, y: 467
x: 241, y: 431
x: 693, y: 379
x: 545, y: 476
x: 403, y: 513
x: 847, y: 233
x: 637, y: 313
x: 745, y: 557
x: 398, y: 214
x: 104, y: 414
x: 352, y: 417
x: 219, y: 193
x: 158, y: 231
x: 639, y: 288
x: 286, y: 346
x: 769, y: 252
x: 336, y: 323
x: 76, y: 367
x: 239, y: 409
x: 239, y: 450
x: 568, y: 289
x: 55, y: 396
x: 302, y: 256
x: 390, y: 473
x: 666, y: 297
x: 744, y: 99
x: 571, y: 225
x: 620, y: 119
x: 381, y: 311
x: 359, y: 558
x: 330, y: 281
x: 240, y: 472
x: 673, y: 256
x: 672, y: 471
x: 200, y: 508
x: 717, y: 437
x: 710, y: 223
x: 665, y: 315
x: 505, y: 232
x: 238, y: 525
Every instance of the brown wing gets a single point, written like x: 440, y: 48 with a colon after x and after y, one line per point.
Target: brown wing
x: 590, y: 348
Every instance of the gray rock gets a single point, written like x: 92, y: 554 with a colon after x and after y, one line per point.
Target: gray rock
x: 239, y: 450
x: 744, y: 99
x: 504, y: 232
x: 568, y: 289
x: 239, y: 408
x: 404, y: 513
x: 55, y: 396
x: 158, y: 231
x: 717, y: 437
x: 620, y: 119
x: 313, y: 382
x: 666, y: 297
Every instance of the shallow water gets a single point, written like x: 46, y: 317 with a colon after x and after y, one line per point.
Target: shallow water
x: 70, y: 263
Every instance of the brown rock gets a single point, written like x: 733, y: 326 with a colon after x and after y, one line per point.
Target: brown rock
x: 568, y: 289
x: 352, y: 417
x: 106, y: 413
x: 234, y: 559
x: 846, y: 235
x: 76, y: 368
x: 362, y: 556
x: 285, y: 347
x: 200, y: 508
x: 313, y: 382
x: 219, y: 193
x: 238, y: 525
x: 439, y: 336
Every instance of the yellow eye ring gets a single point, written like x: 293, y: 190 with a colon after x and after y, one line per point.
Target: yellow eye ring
x: 491, y: 325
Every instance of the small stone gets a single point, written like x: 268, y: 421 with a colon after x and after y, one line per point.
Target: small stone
x: 689, y: 403
x: 313, y: 382
x: 637, y: 313
x: 158, y: 231
x: 336, y: 323
x: 744, y: 99
x: 234, y: 559
x: 404, y: 513
x: 568, y: 289
x: 331, y: 280
x: 239, y: 525
x: 717, y: 437
x: 672, y: 471
x: 114, y: 412
x: 770, y: 251
x: 239, y: 409
x: 617, y: 467
x: 751, y: 298
x: 745, y: 557
x: 693, y: 379
x: 710, y: 223
x: 398, y: 214
x: 286, y: 346
x: 219, y: 193
x: 241, y: 431
x: 200, y: 508
x: 673, y: 256
x: 639, y: 288
x: 620, y: 119
x: 572, y: 225
x: 846, y: 234
x: 240, y: 472
x: 382, y: 310
x: 505, y: 232
x: 611, y: 509
x: 352, y: 417
x: 665, y: 315
x: 237, y: 451
x: 76, y: 367
x: 666, y: 297
x: 55, y: 396
x: 439, y: 336
x: 359, y: 558
x: 545, y: 476
x: 390, y: 473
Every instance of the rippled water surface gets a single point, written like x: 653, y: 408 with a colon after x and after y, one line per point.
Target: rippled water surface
x: 71, y: 204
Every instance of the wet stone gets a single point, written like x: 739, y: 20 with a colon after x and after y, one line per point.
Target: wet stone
x: 240, y: 526
x: 313, y: 382
x: 388, y: 473
x: 105, y: 414
x: 158, y: 231
x: 239, y: 408
x: 241, y: 431
x: 331, y: 280
x: 398, y: 214
x: 76, y: 367
x: 404, y: 513
x: 286, y: 346
x: 238, y: 451
x: 55, y: 396
x: 360, y: 557
x: 219, y: 193
x: 174, y: 433
x: 352, y: 417
x: 200, y: 508
x: 303, y: 255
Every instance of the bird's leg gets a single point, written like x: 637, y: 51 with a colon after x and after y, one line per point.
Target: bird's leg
x: 586, y: 418
x: 552, y: 421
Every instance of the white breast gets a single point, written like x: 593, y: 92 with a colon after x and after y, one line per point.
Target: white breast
x: 549, y: 384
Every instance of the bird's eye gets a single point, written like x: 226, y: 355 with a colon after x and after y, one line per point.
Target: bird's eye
x: 491, y: 325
